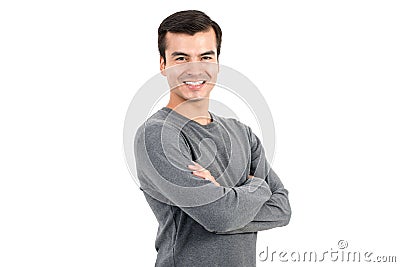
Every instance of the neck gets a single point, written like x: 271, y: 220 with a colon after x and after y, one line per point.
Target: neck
x: 196, y: 110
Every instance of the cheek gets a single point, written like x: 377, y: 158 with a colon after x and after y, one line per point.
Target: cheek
x: 173, y: 80
x: 172, y: 77
x: 170, y: 63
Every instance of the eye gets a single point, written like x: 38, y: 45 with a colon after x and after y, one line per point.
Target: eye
x: 180, y: 58
x: 206, y: 58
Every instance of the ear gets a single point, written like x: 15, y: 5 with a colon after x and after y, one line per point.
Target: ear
x: 162, y: 66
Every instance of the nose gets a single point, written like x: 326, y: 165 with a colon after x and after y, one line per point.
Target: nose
x: 194, y: 68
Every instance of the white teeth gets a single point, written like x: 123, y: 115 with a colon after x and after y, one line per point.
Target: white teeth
x: 194, y: 83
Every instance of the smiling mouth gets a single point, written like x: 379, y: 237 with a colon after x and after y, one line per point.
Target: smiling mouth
x: 194, y: 83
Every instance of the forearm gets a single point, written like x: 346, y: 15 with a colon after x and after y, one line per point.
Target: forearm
x: 277, y: 208
x: 276, y: 212
x: 235, y: 209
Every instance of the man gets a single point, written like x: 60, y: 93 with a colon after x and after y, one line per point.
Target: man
x: 205, y: 177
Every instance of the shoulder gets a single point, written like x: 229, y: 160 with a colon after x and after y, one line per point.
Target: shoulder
x: 157, y: 129
x: 235, y: 124
x: 156, y: 133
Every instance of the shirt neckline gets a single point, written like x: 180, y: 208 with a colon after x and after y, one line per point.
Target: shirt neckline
x: 187, y: 120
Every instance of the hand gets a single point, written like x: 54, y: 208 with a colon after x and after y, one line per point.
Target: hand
x: 202, y: 173
x: 250, y: 176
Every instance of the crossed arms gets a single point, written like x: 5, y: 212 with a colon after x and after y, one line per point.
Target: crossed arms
x: 260, y: 203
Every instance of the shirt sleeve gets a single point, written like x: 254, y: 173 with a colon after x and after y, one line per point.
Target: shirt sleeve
x: 162, y: 155
x: 276, y: 211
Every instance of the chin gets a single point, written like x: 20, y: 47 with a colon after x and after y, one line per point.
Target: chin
x: 196, y: 99
x: 195, y: 96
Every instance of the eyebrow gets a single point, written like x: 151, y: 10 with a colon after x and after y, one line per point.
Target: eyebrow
x: 174, y: 54
x: 208, y: 53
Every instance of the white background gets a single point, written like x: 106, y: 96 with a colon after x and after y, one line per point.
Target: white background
x: 329, y: 71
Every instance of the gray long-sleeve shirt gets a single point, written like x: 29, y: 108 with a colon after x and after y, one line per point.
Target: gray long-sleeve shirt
x: 201, y: 224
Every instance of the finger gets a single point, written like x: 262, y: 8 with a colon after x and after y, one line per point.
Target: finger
x: 200, y: 174
x: 193, y: 167
x: 198, y: 165
x: 201, y: 168
x: 197, y: 168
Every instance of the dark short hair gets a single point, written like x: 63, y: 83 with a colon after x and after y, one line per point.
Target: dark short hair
x: 189, y: 22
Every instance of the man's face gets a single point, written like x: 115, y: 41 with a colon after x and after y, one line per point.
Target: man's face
x: 191, y: 64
